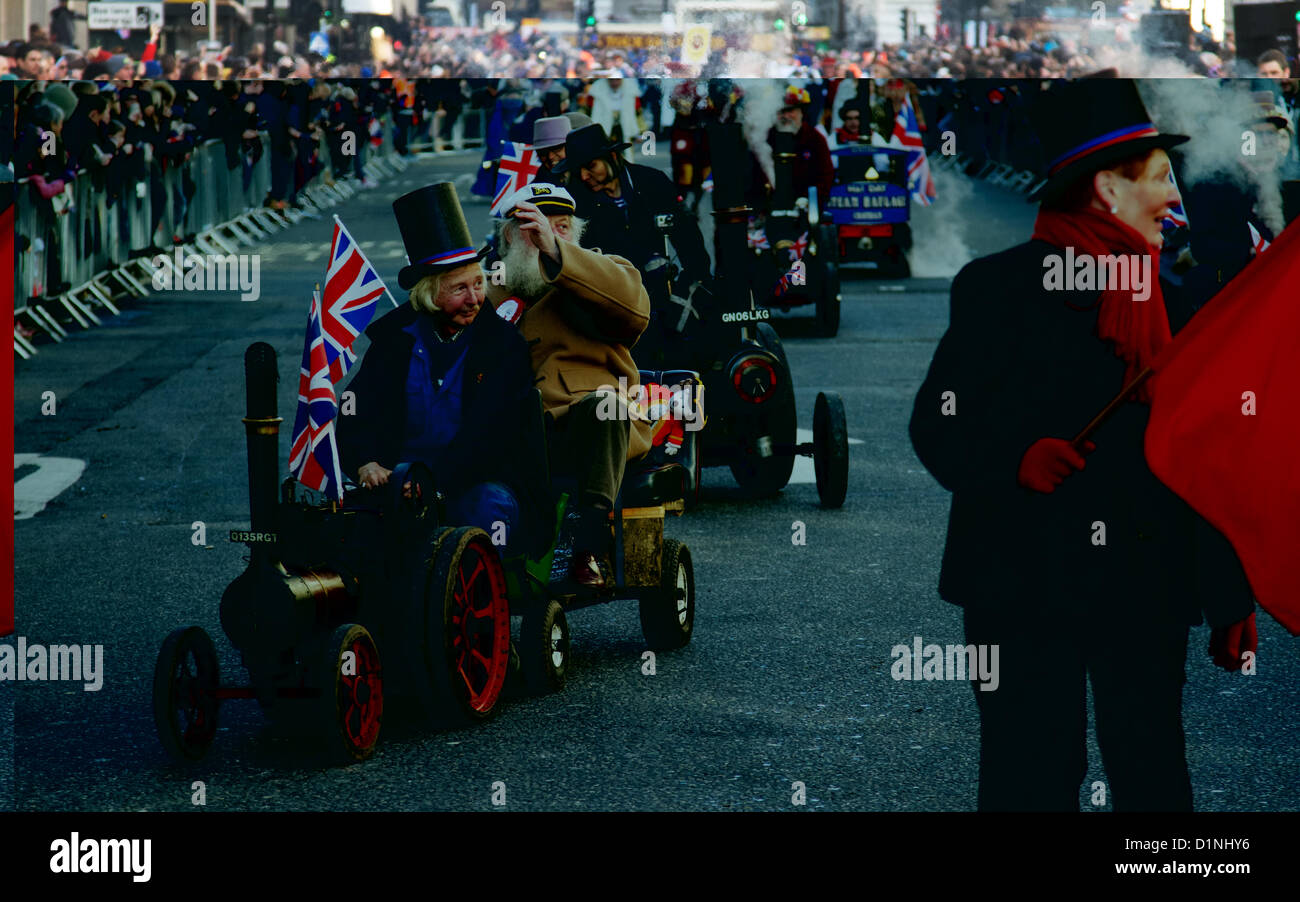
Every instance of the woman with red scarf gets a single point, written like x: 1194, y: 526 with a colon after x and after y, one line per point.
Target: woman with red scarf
x: 1075, y: 561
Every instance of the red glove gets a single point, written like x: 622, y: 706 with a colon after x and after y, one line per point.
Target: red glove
x: 1229, y: 643
x: 47, y: 189
x: 1048, y: 461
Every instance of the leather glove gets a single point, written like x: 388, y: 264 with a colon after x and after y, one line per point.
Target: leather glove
x: 1048, y: 461
x: 1229, y: 643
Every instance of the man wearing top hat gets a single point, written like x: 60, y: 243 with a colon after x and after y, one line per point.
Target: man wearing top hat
x: 624, y: 204
x: 1073, y: 559
x: 581, y: 312
x: 443, y: 378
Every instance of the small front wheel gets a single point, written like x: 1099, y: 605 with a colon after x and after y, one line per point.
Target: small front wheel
x: 668, y: 614
x: 544, y: 641
x: 185, y: 702
x: 830, y: 449
x: 352, y: 693
x: 828, y: 302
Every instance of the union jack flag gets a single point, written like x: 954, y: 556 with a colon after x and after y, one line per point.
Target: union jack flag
x: 516, y: 169
x: 313, y: 452
x: 1177, y: 215
x: 798, y: 247
x: 756, y: 238
x: 787, y: 280
x: 1258, y: 243
x: 908, y: 133
x: 352, y: 289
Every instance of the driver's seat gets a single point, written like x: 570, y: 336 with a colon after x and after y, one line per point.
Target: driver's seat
x: 669, y: 470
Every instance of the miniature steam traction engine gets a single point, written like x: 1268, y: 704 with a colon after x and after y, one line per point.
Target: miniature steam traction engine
x: 329, y: 587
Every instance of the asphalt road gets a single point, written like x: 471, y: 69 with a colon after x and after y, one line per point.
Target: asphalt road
x: 787, y: 679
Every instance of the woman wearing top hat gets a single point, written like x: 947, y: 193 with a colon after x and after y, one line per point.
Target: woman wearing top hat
x: 1074, y: 561
x: 441, y: 381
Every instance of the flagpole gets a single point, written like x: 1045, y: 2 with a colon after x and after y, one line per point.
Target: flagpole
x: 1105, y: 414
x: 340, y: 224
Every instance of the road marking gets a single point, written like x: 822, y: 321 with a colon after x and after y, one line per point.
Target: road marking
x: 52, y: 477
x: 805, y: 470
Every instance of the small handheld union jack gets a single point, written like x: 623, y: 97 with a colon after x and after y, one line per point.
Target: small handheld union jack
x: 908, y: 132
x: 1258, y: 243
x: 798, y: 248
x: 313, y: 450
x: 352, y: 289
x: 1177, y: 215
x: 516, y: 170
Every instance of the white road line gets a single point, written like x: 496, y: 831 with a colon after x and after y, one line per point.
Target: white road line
x: 52, y: 477
x: 805, y: 470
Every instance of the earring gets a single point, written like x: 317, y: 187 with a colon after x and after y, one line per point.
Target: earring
x: 1114, y: 209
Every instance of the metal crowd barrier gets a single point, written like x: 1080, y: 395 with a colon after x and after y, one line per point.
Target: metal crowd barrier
x: 84, y: 258
x: 469, y: 130
x: 996, y: 141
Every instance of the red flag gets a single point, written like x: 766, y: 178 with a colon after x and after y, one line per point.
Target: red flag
x: 1224, y: 432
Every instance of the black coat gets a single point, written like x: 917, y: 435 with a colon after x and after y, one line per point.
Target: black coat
x: 1024, y: 364
x: 636, y: 237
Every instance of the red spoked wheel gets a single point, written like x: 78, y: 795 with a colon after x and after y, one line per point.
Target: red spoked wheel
x: 467, y: 626
x: 185, y: 703
x: 352, y: 693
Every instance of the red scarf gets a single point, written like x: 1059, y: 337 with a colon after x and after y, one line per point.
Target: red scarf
x: 1139, y: 329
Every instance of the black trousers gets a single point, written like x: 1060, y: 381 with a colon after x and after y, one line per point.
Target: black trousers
x: 1033, y: 727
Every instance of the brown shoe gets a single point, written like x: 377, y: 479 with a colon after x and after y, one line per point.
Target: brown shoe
x: 585, y: 570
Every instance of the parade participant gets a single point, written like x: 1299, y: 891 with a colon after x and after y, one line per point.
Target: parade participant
x: 507, y: 103
x: 442, y: 376
x: 580, y: 311
x: 548, y: 140
x: 812, y: 166
x: 1227, y: 228
x: 850, y: 132
x: 1074, y: 561
x: 888, y: 102
x: 614, y: 108
x: 689, y: 141
x: 623, y: 204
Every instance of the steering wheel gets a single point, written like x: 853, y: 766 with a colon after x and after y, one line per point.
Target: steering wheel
x: 423, y: 490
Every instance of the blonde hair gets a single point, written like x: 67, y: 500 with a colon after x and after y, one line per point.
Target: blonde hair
x: 424, y: 295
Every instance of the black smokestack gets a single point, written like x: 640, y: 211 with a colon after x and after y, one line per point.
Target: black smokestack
x: 263, y: 428
x: 783, y: 153
x: 732, y: 172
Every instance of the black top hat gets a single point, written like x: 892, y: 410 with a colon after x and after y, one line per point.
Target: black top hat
x: 585, y: 144
x: 1089, y: 124
x: 434, y: 231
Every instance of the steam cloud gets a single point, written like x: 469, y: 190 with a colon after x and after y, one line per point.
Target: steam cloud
x: 1214, y: 116
x: 763, y: 98
x: 939, y: 247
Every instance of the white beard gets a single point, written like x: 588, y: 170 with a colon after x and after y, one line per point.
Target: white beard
x: 523, y: 271
x: 788, y: 128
